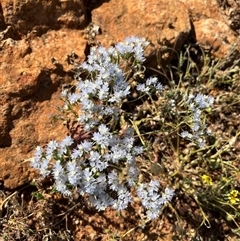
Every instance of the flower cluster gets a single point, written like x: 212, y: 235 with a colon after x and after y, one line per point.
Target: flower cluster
x: 196, y: 104
x: 151, y: 84
x: 94, y: 166
x: 151, y: 200
x: 85, y: 166
x: 103, y: 91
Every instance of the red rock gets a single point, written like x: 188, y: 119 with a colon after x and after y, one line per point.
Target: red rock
x: 212, y: 34
x: 30, y: 86
x: 212, y: 28
x: 157, y: 20
x: 42, y: 15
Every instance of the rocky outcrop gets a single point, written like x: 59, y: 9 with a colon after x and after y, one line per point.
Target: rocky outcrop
x: 37, y: 35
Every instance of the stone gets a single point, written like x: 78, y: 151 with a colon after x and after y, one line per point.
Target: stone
x: 159, y: 21
x: 231, y: 10
x: 211, y: 34
x: 202, y: 9
x: 30, y: 91
x: 41, y: 15
x: 212, y: 28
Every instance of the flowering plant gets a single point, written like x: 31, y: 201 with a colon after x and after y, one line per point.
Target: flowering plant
x: 112, y: 110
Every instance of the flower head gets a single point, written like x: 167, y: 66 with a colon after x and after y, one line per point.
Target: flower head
x: 207, y: 180
x: 233, y: 197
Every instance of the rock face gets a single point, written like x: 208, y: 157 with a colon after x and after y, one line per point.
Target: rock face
x: 41, y: 15
x: 33, y: 66
x: 37, y: 35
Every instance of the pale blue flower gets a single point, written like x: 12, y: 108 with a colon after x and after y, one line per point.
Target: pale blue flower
x: 87, y: 67
x: 88, y: 174
x: 73, y: 173
x: 203, y: 101
x: 113, y: 180
x: 133, y: 174
x: 103, y: 92
x: 143, y: 88
x: 87, y: 105
x: 121, y: 91
x: 73, y: 98
x: 137, y: 150
x: 91, y: 165
x: 67, y: 141
x: 38, y: 154
x: 94, y: 156
x: 186, y: 134
x: 43, y: 168
x: 103, y: 130
x: 152, y: 214
x: 154, y: 185
x: 169, y: 193
x: 51, y: 147
x: 151, y: 81
x: 76, y: 153
x: 65, y: 144
x: 86, y: 145
x: 195, y: 126
x: 123, y: 200
x: 100, y: 139
x: 61, y: 187
x: 58, y: 171
x: 117, y: 153
x: 159, y: 87
x: 123, y: 48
